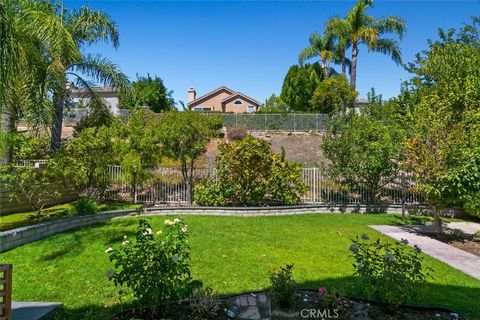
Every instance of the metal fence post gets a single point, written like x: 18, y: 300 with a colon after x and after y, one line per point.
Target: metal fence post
x: 404, y: 194
x: 265, y: 121
x: 294, y: 123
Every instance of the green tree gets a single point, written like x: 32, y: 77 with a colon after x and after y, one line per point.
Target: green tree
x: 363, y: 151
x: 183, y: 137
x: 360, y: 28
x: 148, y: 91
x: 321, y: 46
x: 274, y: 104
x: 299, y: 85
x: 443, y: 116
x: 333, y: 94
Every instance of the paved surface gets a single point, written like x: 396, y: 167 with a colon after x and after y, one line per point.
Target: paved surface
x: 458, y: 259
x: 466, y: 227
x: 32, y: 310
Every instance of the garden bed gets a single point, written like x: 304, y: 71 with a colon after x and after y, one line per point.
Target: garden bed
x: 308, y: 304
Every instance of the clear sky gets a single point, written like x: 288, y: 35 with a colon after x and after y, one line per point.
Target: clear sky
x: 249, y: 45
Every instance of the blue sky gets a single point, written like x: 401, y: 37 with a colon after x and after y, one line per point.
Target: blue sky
x: 249, y: 45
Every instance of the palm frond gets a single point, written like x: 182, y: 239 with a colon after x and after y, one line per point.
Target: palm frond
x: 306, y: 54
x: 391, y: 24
x: 102, y: 71
x: 88, y: 26
x: 390, y: 47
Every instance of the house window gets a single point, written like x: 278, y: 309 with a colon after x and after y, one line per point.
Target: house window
x: 250, y: 109
x: 238, y: 102
x: 202, y: 108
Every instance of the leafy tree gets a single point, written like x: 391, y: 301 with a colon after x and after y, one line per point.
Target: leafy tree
x: 136, y: 146
x: 274, y: 104
x: 148, y: 91
x: 85, y: 159
x: 249, y: 173
x: 363, y: 151
x: 442, y: 114
x: 183, y: 137
x: 360, y: 28
x: 38, y: 186
x: 333, y: 94
x: 299, y: 85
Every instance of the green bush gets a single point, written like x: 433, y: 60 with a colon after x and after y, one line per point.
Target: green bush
x: 390, y: 273
x: 283, y: 285
x: 249, y: 173
x: 155, y: 266
x: 85, y: 206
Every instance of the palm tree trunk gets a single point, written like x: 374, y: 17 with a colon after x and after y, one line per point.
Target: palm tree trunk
x: 7, y: 126
x: 353, y: 70
x: 58, y: 106
x: 344, y: 64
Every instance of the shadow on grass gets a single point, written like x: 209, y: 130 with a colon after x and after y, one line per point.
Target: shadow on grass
x: 463, y: 300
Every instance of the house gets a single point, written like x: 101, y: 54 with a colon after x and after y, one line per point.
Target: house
x: 78, y: 97
x: 222, y: 99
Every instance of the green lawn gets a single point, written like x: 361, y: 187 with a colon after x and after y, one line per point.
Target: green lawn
x: 230, y: 254
x: 21, y: 219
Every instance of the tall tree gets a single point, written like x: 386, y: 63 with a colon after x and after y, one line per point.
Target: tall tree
x: 299, y: 85
x: 75, y: 29
x: 360, y: 28
x: 321, y: 46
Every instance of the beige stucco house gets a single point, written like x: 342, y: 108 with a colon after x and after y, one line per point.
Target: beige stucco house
x: 108, y: 94
x: 222, y: 99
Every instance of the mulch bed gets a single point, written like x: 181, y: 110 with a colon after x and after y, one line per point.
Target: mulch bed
x: 308, y: 304
x: 462, y: 242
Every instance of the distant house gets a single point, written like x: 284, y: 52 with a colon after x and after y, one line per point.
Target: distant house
x: 79, y: 97
x: 222, y: 99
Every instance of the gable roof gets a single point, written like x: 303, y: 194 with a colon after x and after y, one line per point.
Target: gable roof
x: 211, y: 93
x: 236, y: 95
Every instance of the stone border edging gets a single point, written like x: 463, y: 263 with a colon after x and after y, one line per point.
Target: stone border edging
x: 11, y: 239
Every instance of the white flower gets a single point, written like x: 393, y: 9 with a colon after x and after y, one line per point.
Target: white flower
x: 175, y: 258
x: 184, y: 229
x: 148, y: 232
x: 109, y: 249
x: 177, y: 220
x: 169, y: 223
x: 125, y: 237
x: 124, y: 243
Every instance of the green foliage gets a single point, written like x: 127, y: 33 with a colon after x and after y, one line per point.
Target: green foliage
x: 84, y: 160
x: 274, y: 104
x: 184, y: 137
x: 443, y: 117
x: 204, y: 304
x: 391, y: 274
x: 86, y: 206
x: 333, y: 94
x: 38, y: 186
x: 100, y: 116
x: 476, y: 236
x: 283, y: 285
x: 25, y: 147
x: 148, y: 91
x: 155, y: 266
x: 299, y: 85
x: 249, y: 173
x: 363, y: 151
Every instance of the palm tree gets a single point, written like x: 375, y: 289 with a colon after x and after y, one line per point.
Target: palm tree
x: 75, y: 29
x: 321, y: 46
x: 361, y: 28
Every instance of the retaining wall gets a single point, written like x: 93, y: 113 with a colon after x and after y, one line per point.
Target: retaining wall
x: 16, y: 237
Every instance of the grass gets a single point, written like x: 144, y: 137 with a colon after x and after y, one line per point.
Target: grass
x: 230, y: 254
x: 21, y: 219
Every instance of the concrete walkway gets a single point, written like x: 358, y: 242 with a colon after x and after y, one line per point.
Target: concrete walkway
x: 32, y: 310
x: 458, y: 259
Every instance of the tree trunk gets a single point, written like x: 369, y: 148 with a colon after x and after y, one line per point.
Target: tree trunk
x: 58, y: 106
x: 7, y: 126
x: 344, y: 64
x: 437, y: 220
x: 353, y: 70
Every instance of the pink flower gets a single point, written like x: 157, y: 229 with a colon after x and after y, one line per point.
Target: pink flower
x: 321, y: 291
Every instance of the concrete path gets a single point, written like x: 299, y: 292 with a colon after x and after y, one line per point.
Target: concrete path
x: 32, y: 310
x: 458, y: 259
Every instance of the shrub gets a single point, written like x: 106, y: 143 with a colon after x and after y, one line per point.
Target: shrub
x: 237, y: 134
x: 204, y: 304
x: 156, y: 265
x: 283, y: 285
x: 476, y: 236
x: 390, y: 273
x: 85, y: 206
x: 249, y: 173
